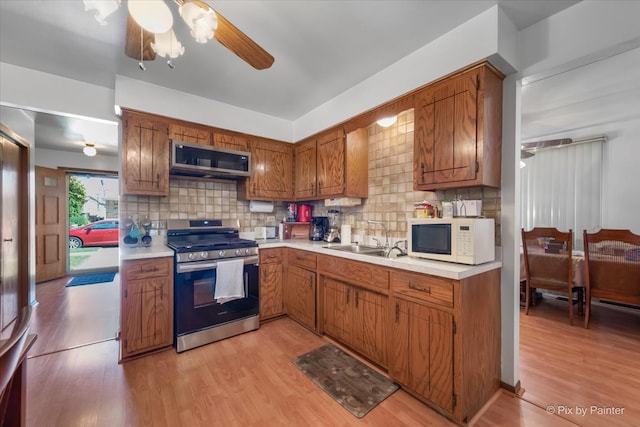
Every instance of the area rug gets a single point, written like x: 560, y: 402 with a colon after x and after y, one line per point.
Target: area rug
x: 91, y: 279
x: 350, y: 382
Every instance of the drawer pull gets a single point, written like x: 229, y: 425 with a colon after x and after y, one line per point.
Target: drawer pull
x: 148, y: 270
x: 419, y: 288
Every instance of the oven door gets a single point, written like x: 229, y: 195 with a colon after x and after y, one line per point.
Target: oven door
x: 195, y: 305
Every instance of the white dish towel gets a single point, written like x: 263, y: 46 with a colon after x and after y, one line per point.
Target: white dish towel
x: 229, y: 280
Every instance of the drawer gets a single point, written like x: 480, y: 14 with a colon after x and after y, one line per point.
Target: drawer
x: 433, y: 289
x: 302, y: 259
x: 271, y: 256
x: 359, y: 273
x: 143, y: 269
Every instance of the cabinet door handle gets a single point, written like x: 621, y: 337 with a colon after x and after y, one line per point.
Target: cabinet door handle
x: 7, y: 240
x: 348, y: 295
x: 419, y: 288
x: 356, y: 299
x: 397, y: 312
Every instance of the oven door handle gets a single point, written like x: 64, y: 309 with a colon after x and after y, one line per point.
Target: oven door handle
x: 206, y: 265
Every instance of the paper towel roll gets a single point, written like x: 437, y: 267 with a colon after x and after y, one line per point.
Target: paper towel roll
x: 256, y: 206
x: 345, y: 234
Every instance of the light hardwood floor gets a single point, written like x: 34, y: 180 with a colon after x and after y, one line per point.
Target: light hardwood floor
x: 249, y: 380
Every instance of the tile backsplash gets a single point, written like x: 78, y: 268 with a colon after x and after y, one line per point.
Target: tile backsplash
x: 391, y: 195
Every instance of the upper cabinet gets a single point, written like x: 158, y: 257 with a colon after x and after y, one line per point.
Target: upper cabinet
x: 458, y: 131
x: 305, y: 170
x: 230, y: 141
x: 271, y: 171
x: 145, y: 154
x: 332, y: 165
x: 189, y: 132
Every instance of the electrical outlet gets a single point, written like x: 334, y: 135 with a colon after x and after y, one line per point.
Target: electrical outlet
x: 350, y: 220
x: 271, y: 219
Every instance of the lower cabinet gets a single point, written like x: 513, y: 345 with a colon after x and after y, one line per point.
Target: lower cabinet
x: 356, y: 317
x: 445, y: 339
x: 146, y: 305
x: 271, y: 283
x: 300, y: 296
x: 421, y: 351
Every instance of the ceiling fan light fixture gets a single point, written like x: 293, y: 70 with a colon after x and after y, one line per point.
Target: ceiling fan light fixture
x: 201, y: 19
x: 167, y: 44
x: 103, y: 8
x: 153, y: 16
x: 89, y: 150
x: 387, y: 121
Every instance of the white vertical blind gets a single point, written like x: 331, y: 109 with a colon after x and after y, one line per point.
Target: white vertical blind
x: 562, y: 188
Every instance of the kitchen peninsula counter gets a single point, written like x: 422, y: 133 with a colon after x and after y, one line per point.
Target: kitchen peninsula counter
x: 436, y: 268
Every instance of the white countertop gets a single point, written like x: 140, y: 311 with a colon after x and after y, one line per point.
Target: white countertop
x: 157, y: 249
x: 435, y: 268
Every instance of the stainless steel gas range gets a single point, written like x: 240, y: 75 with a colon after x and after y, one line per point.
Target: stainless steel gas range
x: 216, y: 281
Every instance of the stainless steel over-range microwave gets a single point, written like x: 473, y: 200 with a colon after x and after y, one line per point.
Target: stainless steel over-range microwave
x: 210, y: 162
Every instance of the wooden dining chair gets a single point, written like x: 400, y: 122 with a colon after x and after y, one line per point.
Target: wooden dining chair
x: 11, y: 352
x: 612, y: 267
x: 548, y: 264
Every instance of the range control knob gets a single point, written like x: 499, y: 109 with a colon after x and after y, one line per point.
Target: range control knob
x: 238, y: 252
x: 204, y: 255
x: 221, y: 254
x: 191, y: 256
x: 247, y: 251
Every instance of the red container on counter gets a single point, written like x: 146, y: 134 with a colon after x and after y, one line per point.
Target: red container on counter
x: 304, y: 213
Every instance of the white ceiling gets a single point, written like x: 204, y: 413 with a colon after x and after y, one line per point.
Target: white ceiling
x: 321, y: 49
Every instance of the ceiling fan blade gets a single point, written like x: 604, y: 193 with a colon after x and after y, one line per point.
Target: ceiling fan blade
x: 240, y: 44
x: 526, y: 154
x: 135, y: 35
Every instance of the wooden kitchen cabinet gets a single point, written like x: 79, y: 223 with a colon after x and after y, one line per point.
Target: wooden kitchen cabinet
x: 458, y: 131
x: 190, y: 132
x: 356, y: 317
x: 146, y: 306
x: 145, y: 154
x: 342, y: 164
x: 300, y: 287
x: 271, y: 171
x: 355, y: 305
x: 305, y: 170
x: 231, y: 141
x: 271, y: 283
x: 421, y: 351
x: 444, y: 339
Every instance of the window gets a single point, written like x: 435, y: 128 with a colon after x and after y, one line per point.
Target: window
x: 562, y: 188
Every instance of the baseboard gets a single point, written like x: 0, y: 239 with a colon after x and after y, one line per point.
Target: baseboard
x: 515, y: 389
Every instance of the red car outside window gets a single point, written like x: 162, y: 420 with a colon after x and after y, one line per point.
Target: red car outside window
x: 99, y: 233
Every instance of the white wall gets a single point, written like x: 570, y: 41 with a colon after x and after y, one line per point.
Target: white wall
x: 620, y: 198
x: 54, y: 159
x: 38, y: 91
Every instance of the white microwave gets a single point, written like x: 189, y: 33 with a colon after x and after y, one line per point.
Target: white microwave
x: 461, y: 240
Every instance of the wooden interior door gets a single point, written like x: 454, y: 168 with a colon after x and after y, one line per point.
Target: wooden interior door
x: 51, y: 224
x: 9, y: 290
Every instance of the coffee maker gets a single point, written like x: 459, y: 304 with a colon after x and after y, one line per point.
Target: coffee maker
x: 319, y: 226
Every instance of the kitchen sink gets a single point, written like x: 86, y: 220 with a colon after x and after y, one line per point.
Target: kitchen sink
x: 359, y: 249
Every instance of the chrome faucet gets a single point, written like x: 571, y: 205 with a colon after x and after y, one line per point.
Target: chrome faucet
x: 386, y: 235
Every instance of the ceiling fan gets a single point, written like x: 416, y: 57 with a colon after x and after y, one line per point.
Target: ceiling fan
x: 150, y: 30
